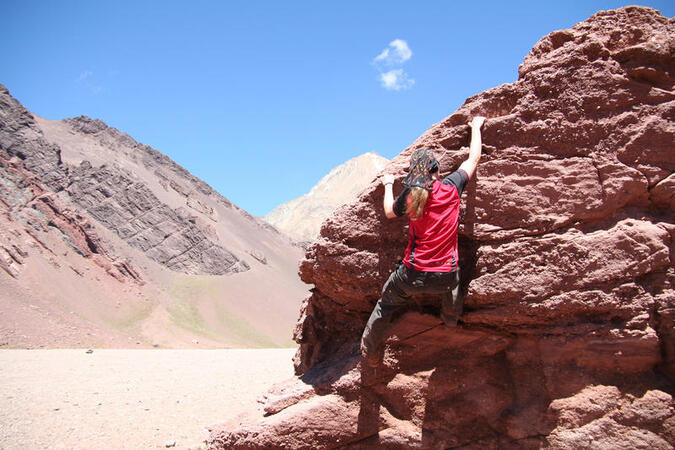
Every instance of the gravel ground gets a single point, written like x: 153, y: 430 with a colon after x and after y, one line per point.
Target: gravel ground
x: 128, y: 398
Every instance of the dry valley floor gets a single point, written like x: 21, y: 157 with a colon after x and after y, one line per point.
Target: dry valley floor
x: 128, y: 398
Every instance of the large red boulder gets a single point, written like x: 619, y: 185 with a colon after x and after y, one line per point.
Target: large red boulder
x: 567, y: 340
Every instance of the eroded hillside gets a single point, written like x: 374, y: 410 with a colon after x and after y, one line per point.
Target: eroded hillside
x: 107, y: 240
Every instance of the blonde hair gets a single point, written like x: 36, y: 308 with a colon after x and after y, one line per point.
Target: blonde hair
x: 418, y: 198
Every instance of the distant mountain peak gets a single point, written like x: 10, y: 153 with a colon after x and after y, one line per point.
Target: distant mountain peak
x: 301, y: 218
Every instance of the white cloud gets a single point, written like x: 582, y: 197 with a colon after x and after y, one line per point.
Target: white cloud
x: 84, y: 75
x: 85, y: 79
x: 395, y: 80
x: 396, y: 53
x: 389, y: 62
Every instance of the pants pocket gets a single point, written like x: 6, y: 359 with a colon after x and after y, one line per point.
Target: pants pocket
x: 439, y: 282
x: 415, y: 278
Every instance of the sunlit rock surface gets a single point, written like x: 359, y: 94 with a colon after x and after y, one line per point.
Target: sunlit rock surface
x: 567, y: 259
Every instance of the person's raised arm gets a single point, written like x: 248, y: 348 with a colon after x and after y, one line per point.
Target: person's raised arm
x: 469, y: 166
x: 388, y: 202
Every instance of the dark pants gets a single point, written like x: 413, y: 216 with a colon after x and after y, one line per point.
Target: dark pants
x: 402, y: 284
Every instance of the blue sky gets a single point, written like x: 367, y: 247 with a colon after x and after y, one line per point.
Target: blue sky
x: 262, y: 98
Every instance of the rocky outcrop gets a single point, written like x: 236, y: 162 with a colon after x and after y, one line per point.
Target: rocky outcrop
x: 131, y: 210
x: 30, y: 211
x: 21, y: 137
x: 302, y: 217
x: 114, y: 197
x: 566, y: 244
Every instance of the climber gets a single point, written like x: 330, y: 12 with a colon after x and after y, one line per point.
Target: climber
x: 431, y: 261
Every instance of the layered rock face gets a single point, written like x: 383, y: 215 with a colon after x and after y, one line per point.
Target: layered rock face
x: 111, y: 195
x: 28, y: 167
x: 566, y: 248
x: 105, y: 240
x: 301, y: 218
x: 24, y: 200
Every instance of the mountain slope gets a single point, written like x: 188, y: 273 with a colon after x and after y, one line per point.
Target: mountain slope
x: 301, y: 218
x: 139, y: 248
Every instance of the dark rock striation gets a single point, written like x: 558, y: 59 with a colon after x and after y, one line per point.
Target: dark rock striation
x: 21, y: 137
x: 131, y: 210
x: 112, y: 195
x: 134, y: 151
x: 28, y: 208
x: 567, y: 250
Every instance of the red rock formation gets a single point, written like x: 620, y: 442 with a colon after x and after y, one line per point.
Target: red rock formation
x: 567, y: 339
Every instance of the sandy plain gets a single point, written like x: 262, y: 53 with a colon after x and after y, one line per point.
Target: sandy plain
x: 129, y: 399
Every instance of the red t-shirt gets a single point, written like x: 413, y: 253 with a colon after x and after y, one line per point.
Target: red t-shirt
x: 433, y: 236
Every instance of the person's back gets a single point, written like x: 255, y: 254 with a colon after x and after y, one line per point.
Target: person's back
x: 433, y: 235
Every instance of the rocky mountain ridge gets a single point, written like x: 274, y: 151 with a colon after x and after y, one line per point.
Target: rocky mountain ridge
x: 566, y: 252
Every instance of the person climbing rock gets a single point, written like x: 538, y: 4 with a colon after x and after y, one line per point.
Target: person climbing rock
x: 431, y: 261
